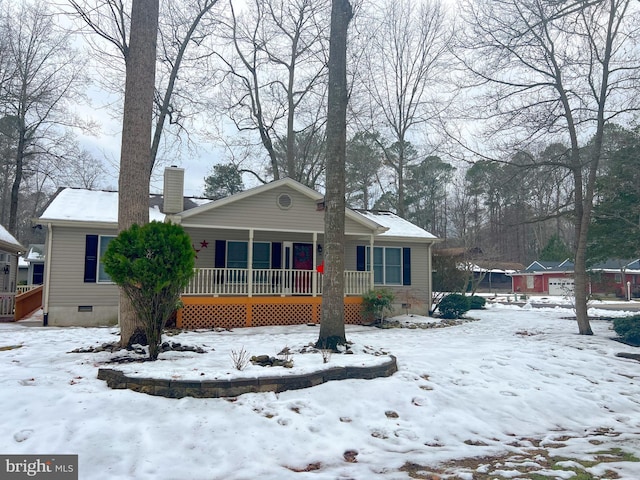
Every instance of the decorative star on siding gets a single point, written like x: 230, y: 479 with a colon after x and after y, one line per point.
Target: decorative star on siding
x: 204, y: 244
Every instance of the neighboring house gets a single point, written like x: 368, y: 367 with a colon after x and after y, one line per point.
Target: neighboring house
x: 23, y: 270
x: 552, y: 278
x: 10, y: 248
x: 612, y: 277
x: 259, y: 256
x: 31, y: 266
x: 492, y: 276
x: 485, y: 273
x: 620, y: 277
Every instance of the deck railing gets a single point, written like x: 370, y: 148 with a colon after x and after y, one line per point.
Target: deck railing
x: 20, y: 289
x: 28, y: 302
x: 7, y: 304
x: 235, y: 281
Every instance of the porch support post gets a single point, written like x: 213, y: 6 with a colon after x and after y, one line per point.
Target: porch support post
x: 371, y: 274
x: 250, y: 265
x: 314, y: 275
x: 430, y: 278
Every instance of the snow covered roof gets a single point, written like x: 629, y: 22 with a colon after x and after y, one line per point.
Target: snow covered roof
x: 101, y: 206
x: 498, y: 267
x: 35, y: 253
x: 397, y: 226
x: 8, y: 241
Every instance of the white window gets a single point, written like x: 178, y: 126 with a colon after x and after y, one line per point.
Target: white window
x: 387, y: 265
x: 103, y: 243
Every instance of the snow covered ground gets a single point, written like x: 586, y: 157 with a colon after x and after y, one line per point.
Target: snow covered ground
x: 498, y: 395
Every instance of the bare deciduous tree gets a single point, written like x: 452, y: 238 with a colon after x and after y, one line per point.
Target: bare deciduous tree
x: 40, y: 77
x: 405, y: 61
x: 183, y: 30
x: 275, y: 78
x: 556, y: 69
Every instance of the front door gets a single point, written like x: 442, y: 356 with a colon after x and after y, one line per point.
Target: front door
x: 298, y: 263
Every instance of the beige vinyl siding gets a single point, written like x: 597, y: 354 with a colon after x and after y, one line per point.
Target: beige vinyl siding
x: 66, y: 285
x: 206, y: 255
x: 418, y: 293
x: 261, y: 212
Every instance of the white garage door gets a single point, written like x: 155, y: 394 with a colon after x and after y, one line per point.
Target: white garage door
x: 561, y: 286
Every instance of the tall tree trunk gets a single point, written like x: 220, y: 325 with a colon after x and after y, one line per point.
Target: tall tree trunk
x: 332, y: 331
x: 135, y: 156
x: 291, y: 135
x: 15, y: 188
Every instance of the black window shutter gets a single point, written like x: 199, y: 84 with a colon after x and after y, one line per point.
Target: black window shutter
x: 221, y: 253
x: 91, y: 259
x: 406, y: 266
x: 276, y: 255
x: 361, y: 261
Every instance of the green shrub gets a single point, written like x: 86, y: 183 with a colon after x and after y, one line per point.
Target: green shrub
x: 454, y: 305
x: 376, y: 302
x: 476, y: 302
x: 152, y: 264
x: 628, y: 328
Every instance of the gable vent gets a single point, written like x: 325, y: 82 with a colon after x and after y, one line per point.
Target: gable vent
x: 285, y: 201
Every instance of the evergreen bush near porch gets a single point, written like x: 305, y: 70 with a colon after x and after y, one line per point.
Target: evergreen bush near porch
x: 377, y: 302
x: 152, y: 264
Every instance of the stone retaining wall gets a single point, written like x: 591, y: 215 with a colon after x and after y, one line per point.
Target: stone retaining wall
x: 237, y: 386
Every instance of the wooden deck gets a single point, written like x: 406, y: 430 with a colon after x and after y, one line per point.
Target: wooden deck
x: 14, y: 306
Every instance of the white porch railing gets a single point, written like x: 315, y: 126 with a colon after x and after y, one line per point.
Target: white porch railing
x: 7, y: 304
x: 356, y: 283
x: 20, y: 289
x: 235, y: 281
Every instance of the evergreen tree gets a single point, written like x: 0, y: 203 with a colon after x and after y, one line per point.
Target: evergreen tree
x: 555, y: 250
x: 225, y: 180
x: 615, y: 228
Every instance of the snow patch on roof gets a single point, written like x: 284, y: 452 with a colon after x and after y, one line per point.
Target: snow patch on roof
x: 35, y: 252
x: 82, y: 205
x: 6, y: 237
x: 397, y: 226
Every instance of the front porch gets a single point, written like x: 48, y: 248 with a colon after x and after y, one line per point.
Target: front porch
x: 270, y: 281
x: 237, y: 297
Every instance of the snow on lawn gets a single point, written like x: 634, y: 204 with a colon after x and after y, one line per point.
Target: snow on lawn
x: 517, y: 381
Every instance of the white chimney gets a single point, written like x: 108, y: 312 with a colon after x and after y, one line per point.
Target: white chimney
x: 173, y: 190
